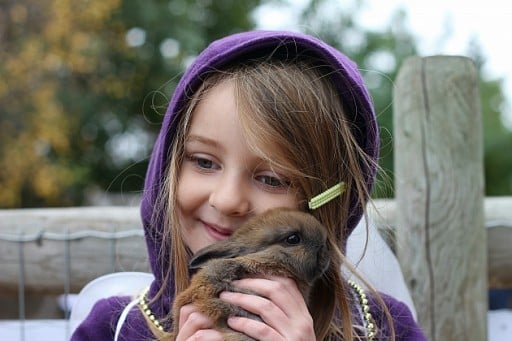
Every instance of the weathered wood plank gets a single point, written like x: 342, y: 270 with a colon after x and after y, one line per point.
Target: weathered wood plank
x: 68, y: 247
x: 498, y: 223
x: 440, y: 241
x: 90, y: 257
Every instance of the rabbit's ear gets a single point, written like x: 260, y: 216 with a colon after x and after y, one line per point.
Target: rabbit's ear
x: 217, y: 250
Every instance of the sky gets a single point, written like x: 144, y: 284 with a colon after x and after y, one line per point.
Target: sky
x: 441, y: 27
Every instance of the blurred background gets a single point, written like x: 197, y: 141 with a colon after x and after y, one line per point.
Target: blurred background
x: 84, y: 84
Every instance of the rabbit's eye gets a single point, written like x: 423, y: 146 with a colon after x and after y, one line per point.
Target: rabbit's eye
x: 293, y: 239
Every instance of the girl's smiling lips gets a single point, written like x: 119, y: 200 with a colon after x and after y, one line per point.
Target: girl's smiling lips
x: 216, y: 231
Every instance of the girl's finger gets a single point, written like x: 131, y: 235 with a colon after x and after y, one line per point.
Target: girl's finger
x: 280, y: 306
x: 195, y: 326
x: 255, y: 329
x: 280, y: 290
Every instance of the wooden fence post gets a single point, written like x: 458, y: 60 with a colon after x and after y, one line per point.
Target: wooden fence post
x: 441, y: 239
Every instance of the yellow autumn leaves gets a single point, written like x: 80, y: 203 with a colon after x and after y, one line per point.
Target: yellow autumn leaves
x: 41, y: 40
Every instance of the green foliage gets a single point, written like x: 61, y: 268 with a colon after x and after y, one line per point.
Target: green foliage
x: 84, y: 85
x: 379, y: 55
x: 497, y: 138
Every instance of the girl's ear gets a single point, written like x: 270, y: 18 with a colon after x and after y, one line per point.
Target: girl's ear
x: 223, y: 249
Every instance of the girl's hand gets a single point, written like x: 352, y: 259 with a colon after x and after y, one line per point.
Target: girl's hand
x: 195, y: 326
x: 282, y: 308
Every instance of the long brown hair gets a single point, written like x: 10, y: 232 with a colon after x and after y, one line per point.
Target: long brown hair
x: 292, y: 109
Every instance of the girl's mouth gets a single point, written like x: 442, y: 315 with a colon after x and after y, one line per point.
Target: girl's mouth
x: 217, y: 232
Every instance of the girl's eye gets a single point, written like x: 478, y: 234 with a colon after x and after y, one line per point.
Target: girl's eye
x: 272, y: 181
x: 202, y: 162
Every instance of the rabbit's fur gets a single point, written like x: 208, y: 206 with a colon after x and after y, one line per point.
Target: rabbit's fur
x: 280, y: 242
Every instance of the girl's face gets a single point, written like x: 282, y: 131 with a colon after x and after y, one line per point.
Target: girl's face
x: 222, y: 182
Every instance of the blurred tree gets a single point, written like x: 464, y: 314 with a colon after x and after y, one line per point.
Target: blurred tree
x: 379, y: 55
x: 84, y: 85
x: 497, y: 137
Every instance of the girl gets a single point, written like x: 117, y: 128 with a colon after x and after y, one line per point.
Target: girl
x: 260, y: 120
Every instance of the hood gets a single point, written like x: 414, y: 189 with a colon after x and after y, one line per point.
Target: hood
x: 252, y: 44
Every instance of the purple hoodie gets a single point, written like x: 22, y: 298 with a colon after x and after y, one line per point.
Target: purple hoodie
x: 101, y: 322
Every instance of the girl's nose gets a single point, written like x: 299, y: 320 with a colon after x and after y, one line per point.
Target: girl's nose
x: 230, y: 196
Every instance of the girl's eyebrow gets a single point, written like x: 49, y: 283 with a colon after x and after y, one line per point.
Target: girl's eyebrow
x: 203, y: 140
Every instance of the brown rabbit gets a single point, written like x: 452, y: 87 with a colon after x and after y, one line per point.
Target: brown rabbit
x: 280, y: 242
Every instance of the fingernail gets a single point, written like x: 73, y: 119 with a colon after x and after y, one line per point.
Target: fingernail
x: 233, y: 319
x: 226, y: 294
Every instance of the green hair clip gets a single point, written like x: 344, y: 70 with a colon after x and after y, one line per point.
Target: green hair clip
x: 326, y: 196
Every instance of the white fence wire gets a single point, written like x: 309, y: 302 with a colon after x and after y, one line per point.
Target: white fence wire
x: 22, y: 327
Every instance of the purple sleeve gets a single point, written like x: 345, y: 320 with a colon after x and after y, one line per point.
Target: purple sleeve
x: 406, y: 328
x: 101, y: 322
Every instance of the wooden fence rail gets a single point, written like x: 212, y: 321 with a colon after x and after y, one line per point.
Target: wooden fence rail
x: 498, y: 224
x: 107, y: 239
x: 53, y: 249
